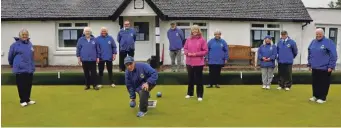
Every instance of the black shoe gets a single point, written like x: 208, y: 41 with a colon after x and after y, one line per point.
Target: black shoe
x: 86, y: 88
x: 217, y: 86
x: 209, y: 86
x: 96, y: 88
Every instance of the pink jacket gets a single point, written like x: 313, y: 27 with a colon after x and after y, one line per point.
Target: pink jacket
x: 195, y: 45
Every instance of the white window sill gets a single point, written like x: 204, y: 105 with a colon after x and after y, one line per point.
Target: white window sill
x: 64, y: 53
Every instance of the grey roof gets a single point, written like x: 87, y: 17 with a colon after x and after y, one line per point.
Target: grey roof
x: 258, y: 10
x: 235, y: 9
x: 58, y: 8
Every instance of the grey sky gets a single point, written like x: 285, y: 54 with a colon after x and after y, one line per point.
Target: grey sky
x: 316, y: 3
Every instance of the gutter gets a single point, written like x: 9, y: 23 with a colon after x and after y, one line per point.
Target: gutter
x: 306, y: 23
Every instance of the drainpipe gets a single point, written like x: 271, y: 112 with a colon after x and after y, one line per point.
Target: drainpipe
x: 306, y: 23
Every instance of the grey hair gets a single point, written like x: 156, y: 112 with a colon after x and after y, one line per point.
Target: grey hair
x: 217, y: 31
x: 22, y: 31
x: 319, y: 30
x: 104, y: 28
x: 87, y: 29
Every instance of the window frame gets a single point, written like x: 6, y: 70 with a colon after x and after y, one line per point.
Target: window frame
x: 191, y: 23
x: 73, y: 26
x: 149, y: 23
x: 335, y: 34
x: 265, y: 28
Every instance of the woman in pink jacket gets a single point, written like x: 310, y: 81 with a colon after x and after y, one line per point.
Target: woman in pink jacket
x: 195, y: 50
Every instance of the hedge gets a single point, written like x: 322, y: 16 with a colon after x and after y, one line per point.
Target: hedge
x: 165, y: 78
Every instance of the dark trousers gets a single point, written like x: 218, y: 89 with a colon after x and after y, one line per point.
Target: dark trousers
x: 215, y: 70
x: 90, y: 73
x: 101, y: 69
x: 285, y: 75
x: 195, y: 76
x: 321, y: 83
x: 24, y: 85
x: 144, y: 96
x: 123, y: 54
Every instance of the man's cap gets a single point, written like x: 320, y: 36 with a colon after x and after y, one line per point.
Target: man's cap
x: 128, y: 59
x: 284, y: 33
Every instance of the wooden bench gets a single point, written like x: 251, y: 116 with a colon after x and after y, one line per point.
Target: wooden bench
x: 41, y: 54
x: 240, y: 52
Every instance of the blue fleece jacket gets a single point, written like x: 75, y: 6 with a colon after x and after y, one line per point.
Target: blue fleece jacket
x: 141, y: 74
x: 20, y: 56
x: 87, y: 50
x: 287, y: 51
x: 126, y: 38
x: 107, y: 47
x: 175, y: 37
x: 268, y: 51
x: 322, y: 54
x: 218, y: 51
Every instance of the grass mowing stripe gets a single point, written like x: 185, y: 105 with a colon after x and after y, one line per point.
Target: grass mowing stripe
x: 228, y: 106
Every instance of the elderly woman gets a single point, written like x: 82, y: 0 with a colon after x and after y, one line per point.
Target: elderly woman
x: 322, y: 57
x: 88, y: 54
x: 195, y: 50
x: 267, y: 54
x: 217, y: 57
x: 21, y: 59
x: 108, y: 52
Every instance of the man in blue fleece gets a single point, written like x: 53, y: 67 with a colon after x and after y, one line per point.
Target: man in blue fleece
x: 108, y: 53
x: 322, y: 57
x: 126, y: 38
x: 287, y: 51
x: 175, y: 37
x: 140, y: 78
x: 88, y: 55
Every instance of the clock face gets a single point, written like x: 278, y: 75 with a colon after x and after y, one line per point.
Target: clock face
x: 138, y: 4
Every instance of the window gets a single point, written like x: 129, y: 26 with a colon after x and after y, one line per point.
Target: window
x: 333, y: 34
x: 259, y: 31
x: 142, y: 31
x: 186, y: 28
x: 68, y: 34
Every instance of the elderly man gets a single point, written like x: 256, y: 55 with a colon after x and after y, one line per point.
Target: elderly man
x: 287, y: 51
x: 108, y: 53
x: 322, y: 57
x: 126, y: 38
x: 175, y: 37
x: 88, y: 55
x: 140, y: 78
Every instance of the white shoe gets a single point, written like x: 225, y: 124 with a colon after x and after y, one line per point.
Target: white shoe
x: 31, y: 102
x: 264, y: 87
x: 113, y: 85
x: 313, y: 99
x: 24, y: 104
x: 320, y: 101
x: 188, y: 96
x: 279, y: 88
x: 268, y: 87
x: 287, y: 89
x: 99, y: 86
x: 199, y: 99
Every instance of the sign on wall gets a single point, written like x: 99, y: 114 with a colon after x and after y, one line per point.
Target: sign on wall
x: 138, y: 4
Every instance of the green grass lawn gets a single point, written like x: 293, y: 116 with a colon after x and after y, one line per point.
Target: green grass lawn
x: 227, y: 106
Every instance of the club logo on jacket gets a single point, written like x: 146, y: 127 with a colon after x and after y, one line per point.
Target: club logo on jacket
x: 109, y: 42
x: 93, y: 42
x: 142, y: 76
x: 131, y: 34
x: 271, y: 48
x: 177, y: 34
x: 322, y: 47
x: 288, y: 45
x: 221, y: 45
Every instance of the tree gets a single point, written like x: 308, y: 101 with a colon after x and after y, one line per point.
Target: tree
x: 336, y: 4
